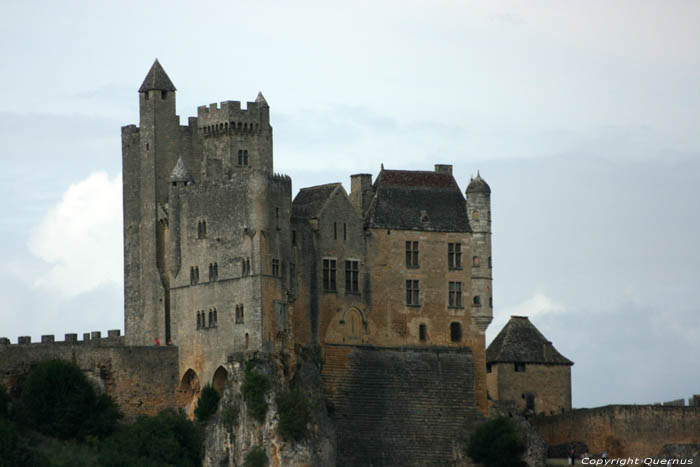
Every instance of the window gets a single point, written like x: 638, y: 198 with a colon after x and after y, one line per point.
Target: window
x: 422, y: 333
x: 351, y: 276
x: 488, y: 368
x: 213, y: 272
x: 490, y: 302
x: 476, y: 261
x: 194, y: 275
x: 276, y: 267
x: 454, y: 298
x: 411, y: 254
x: 477, y: 300
x: 455, y: 332
x: 202, y: 229
x: 216, y: 320
x: 239, y: 314
x: 199, y: 321
x: 294, y: 237
x: 519, y: 367
x: 163, y: 95
x: 329, y: 275
x: 490, y: 266
x: 475, y: 215
x: 345, y: 231
x: 211, y: 319
x: 242, y: 157
x: 335, y: 231
x: 454, y: 255
x: 412, y: 293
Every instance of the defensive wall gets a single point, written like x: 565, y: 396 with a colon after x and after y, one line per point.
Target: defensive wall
x: 624, y: 430
x: 142, y: 380
x: 410, y: 406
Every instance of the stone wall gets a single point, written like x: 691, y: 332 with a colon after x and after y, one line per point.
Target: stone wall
x: 624, y: 430
x: 142, y: 380
x: 400, y: 406
x: 549, y: 384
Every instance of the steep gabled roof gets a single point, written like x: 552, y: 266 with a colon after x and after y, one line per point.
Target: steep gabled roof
x: 309, y: 201
x: 417, y: 200
x: 157, y: 78
x: 521, y: 342
x: 180, y: 172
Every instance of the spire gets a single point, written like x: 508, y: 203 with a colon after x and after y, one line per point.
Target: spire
x: 180, y: 172
x: 261, y: 100
x: 157, y: 78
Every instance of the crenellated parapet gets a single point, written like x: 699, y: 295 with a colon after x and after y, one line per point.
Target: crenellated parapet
x: 228, y: 118
x: 113, y: 337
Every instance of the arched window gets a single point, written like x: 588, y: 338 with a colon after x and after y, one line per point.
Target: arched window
x: 455, y: 332
x: 216, y: 321
x: 477, y: 300
x: 211, y: 320
x: 199, y: 321
x: 247, y: 340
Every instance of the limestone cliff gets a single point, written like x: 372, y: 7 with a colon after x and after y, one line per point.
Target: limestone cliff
x: 233, y: 432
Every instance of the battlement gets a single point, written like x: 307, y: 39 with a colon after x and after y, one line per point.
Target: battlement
x: 282, y: 180
x: 90, y: 338
x: 214, y: 119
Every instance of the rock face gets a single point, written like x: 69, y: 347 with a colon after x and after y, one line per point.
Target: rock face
x: 233, y: 432
x: 681, y: 452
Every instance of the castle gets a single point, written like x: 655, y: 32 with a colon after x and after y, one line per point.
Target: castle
x: 219, y: 258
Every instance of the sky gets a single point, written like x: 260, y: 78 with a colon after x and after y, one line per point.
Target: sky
x: 583, y: 116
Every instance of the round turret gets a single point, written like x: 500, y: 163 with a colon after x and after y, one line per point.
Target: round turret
x: 478, y: 185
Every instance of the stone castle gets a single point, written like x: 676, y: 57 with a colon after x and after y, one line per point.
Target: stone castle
x: 391, y: 283
x: 219, y: 258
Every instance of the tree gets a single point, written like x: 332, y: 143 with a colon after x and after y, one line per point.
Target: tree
x: 294, y: 414
x: 58, y: 400
x: 254, y: 388
x: 495, y: 443
x: 207, y: 404
x: 168, y: 438
x: 256, y: 457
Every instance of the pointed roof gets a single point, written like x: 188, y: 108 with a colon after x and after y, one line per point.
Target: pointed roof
x: 180, y: 172
x: 521, y: 342
x: 478, y: 185
x: 157, y: 78
x: 261, y: 100
x: 309, y: 202
x: 402, y: 199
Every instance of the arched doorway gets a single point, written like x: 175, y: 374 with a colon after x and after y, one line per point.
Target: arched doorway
x: 219, y: 380
x: 188, y: 392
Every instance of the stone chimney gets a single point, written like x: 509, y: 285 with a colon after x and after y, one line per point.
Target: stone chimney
x: 443, y: 168
x: 361, y: 191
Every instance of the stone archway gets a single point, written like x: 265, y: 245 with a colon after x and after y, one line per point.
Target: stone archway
x: 218, y: 382
x: 188, y: 392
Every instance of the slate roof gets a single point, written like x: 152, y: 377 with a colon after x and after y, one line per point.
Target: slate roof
x: 521, y: 342
x: 417, y: 200
x: 478, y: 185
x: 309, y: 201
x: 180, y: 172
x: 157, y: 78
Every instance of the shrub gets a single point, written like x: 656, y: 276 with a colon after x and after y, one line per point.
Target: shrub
x: 229, y: 416
x: 256, y: 457
x: 4, y: 402
x: 254, y: 388
x: 294, y: 414
x: 58, y: 400
x: 495, y: 443
x: 168, y: 438
x: 207, y: 404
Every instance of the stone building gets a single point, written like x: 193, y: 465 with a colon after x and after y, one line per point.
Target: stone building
x: 526, y: 372
x: 219, y: 259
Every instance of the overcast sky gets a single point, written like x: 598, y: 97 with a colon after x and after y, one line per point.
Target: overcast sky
x: 583, y: 116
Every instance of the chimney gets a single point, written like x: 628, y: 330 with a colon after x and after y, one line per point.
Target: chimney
x: 443, y: 168
x: 361, y: 191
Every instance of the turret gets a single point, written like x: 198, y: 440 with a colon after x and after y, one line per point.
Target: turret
x: 479, y: 212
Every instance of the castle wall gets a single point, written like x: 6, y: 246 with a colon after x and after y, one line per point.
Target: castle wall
x: 142, y: 380
x: 624, y: 430
x: 550, y: 385
x: 408, y: 406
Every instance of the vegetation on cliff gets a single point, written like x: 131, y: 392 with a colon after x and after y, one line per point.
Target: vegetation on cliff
x: 495, y: 443
x: 294, y: 414
x: 207, y: 404
x: 254, y: 389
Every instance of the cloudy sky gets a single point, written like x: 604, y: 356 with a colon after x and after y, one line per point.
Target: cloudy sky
x: 583, y: 116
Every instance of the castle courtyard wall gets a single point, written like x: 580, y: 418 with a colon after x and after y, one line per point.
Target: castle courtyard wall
x: 409, y: 406
x: 142, y: 380
x: 623, y: 430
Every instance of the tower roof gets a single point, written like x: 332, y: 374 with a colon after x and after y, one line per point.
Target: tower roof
x: 478, y: 185
x: 261, y: 100
x: 157, y: 78
x: 180, y: 172
x: 521, y: 342
x: 417, y: 200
